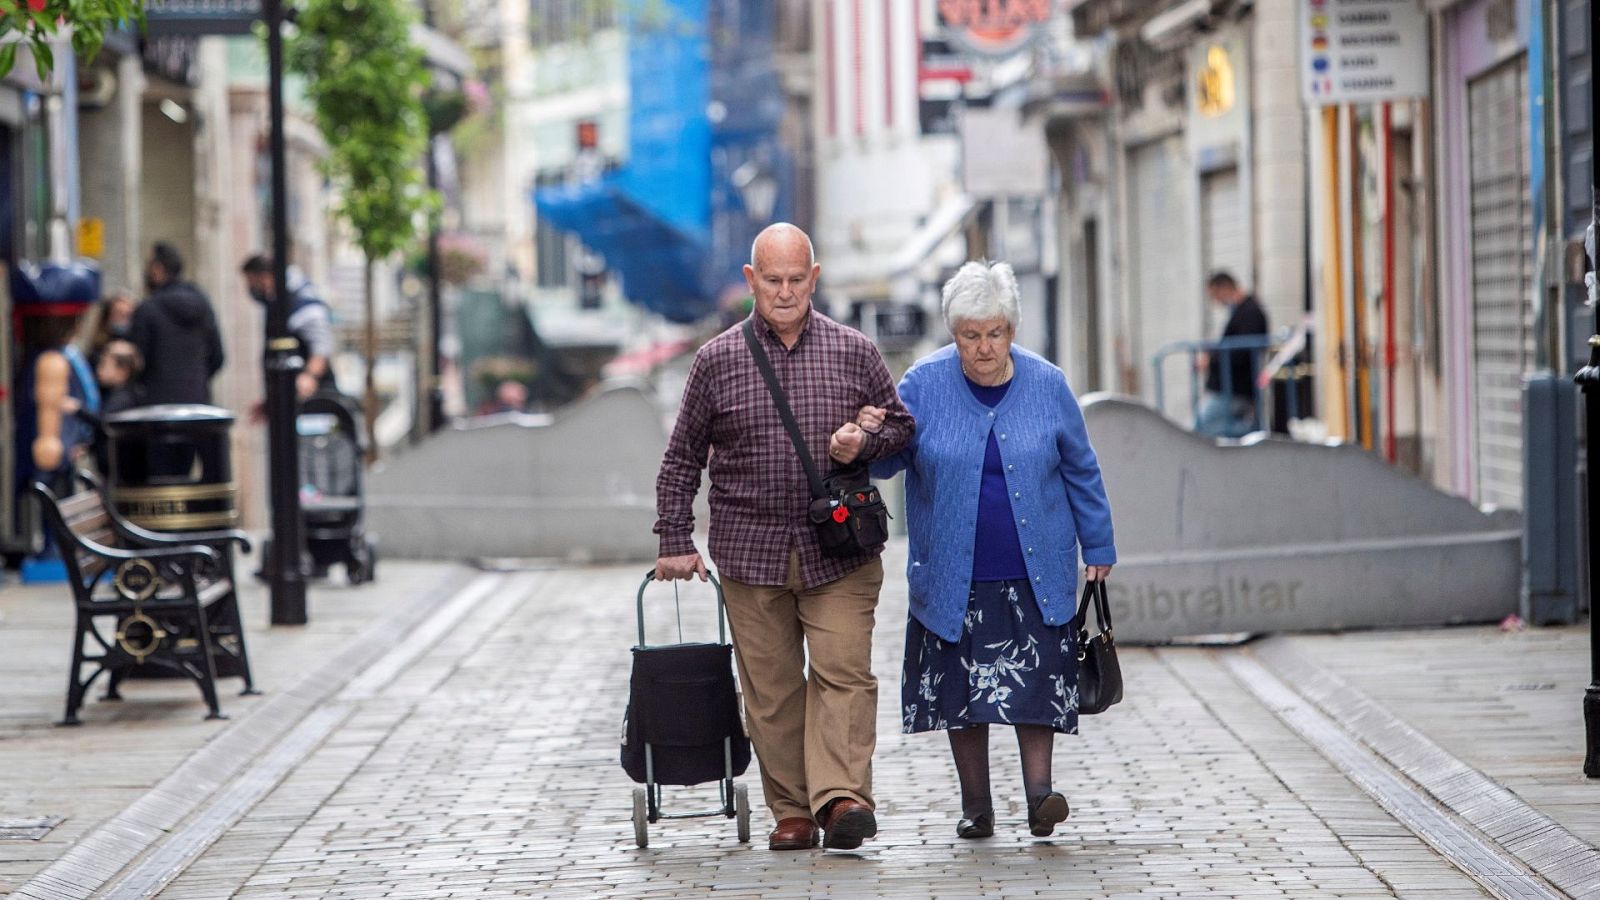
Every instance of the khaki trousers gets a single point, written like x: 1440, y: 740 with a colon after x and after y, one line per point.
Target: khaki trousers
x: 813, y: 731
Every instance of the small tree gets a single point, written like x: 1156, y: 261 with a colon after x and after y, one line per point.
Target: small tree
x: 365, y: 80
x: 39, y: 21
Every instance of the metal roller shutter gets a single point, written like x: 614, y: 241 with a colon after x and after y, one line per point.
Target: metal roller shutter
x: 1224, y: 228
x: 1502, y: 248
x: 1166, y: 304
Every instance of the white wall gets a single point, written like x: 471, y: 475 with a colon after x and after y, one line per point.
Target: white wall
x: 877, y: 176
x: 1280, y: 164
x: 548, y: 92
x: 109, y: 149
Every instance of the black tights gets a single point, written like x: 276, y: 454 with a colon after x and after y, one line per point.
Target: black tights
x: 970, y: 747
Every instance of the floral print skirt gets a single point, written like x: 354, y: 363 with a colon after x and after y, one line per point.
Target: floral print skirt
x: 1008, y: 668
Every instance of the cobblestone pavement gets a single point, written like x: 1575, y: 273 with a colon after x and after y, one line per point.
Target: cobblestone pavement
x: 490, y: 770
x: 478, y: 758
x: 1507, y: 704
x: 84, y: 775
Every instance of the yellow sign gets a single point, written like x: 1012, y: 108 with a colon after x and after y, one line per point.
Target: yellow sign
x: 91, y: 238
x: 1216, y: 84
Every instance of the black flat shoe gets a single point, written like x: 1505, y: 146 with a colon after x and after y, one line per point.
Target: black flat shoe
x: 979, y: 826
x: 1044, y: 816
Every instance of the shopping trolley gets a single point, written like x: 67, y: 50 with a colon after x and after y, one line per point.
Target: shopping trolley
x: 683, y: 724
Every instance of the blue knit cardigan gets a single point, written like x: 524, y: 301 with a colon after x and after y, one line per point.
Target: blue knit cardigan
x: 1057, y: 497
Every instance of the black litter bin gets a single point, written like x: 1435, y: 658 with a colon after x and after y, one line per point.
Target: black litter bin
x: 171, y: 469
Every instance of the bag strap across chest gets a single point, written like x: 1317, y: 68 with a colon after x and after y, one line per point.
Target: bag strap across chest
x: 784, y: 412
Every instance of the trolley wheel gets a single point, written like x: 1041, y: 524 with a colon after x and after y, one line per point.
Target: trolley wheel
x: 641, y: 819
x: 741, y: 811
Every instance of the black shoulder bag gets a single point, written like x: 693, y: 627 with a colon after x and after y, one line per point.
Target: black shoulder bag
x: 846, y: 509
x: 1099, y: 673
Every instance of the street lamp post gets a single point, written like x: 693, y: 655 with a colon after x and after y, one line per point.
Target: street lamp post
x: 433, y: 419
x: 432, y: 365
x: 282, y: 364
x: 1588, y: 379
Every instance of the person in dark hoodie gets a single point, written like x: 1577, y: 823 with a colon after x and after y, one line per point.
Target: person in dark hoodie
x: 176, y: 334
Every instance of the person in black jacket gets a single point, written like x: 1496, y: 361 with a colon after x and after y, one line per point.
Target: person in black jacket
x: 1229, y: 408
x: 176, y: 333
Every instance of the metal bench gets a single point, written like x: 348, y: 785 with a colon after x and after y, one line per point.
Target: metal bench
x: 148, y: 604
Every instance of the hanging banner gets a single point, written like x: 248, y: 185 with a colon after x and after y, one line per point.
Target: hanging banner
x: 1362, y: 51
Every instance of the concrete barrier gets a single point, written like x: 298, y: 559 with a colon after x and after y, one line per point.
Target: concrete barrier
x: 1274, y: 535
x: 1263, y: 536
x: 578, y: 486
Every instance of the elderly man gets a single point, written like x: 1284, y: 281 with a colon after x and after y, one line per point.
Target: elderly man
x: 813, y: 727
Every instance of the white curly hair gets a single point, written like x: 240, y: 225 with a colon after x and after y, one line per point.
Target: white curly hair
x: 980, y: 291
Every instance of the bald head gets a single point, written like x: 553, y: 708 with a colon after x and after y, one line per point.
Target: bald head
x: 780, y: 238
x: 781, y: 276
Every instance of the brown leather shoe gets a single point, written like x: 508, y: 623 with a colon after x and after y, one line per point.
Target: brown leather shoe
x: 793, y: 833
x: 846, y: 823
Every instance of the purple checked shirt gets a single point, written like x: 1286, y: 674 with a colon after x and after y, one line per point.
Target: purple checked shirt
x: 759, y: 494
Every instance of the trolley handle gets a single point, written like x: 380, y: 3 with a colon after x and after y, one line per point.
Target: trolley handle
x: 722, y: 610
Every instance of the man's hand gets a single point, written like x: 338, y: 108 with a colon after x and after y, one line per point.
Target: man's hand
x: 1202, y: 361
x: 674, y: 568
x: 305, y: 384
x: 846, y: 443
x: 1096, y: 573
x: 871, y: 418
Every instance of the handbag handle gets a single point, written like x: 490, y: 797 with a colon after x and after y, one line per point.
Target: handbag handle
x: 818, y: 491
x: 1093, y: 592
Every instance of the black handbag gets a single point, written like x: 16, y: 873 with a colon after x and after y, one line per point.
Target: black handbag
x: 1099, y: 673
x: 846, y: 509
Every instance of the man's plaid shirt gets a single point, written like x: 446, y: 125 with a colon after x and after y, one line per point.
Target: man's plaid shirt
x: 759, y: 494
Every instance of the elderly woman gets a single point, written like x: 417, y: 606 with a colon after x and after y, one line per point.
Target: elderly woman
x: 1002, y: 488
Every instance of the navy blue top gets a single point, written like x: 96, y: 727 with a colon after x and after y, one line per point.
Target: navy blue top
x: 996, y: 551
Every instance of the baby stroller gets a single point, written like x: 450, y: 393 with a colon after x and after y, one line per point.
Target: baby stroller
x: 683, y: 726
x: 332, y: 499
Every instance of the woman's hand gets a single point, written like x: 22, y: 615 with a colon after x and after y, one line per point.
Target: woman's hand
x: 1096, y: 573
x: 871, y: 418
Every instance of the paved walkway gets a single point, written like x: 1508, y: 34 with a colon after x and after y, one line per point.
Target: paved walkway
x: 84, y: 775
x: 478, y: 758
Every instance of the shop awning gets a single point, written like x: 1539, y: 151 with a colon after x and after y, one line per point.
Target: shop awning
x: 954, y: 214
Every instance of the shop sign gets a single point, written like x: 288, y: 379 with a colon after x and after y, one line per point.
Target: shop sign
x: 202, y: 16
x: 1362, y: 51
x: 91, y: 237
x: 1215, y: 90
x: 994, y: 28
x: 1002, y: 155
x: 175, y: 57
